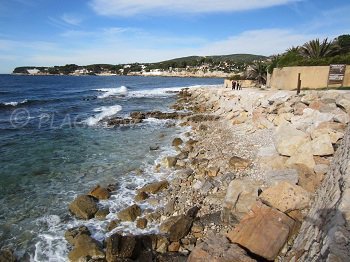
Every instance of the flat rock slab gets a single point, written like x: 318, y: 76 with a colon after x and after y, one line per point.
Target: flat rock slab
x: 263, y: 231
x: 286, y: 197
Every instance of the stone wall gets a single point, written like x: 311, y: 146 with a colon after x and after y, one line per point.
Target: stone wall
x: 325, y: 232
x: 314, y: 77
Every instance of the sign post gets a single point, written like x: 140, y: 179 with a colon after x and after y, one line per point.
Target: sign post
x: 336, y: 75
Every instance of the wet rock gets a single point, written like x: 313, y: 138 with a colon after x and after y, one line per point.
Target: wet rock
x: 102, y: 213
x: 140, y: 196
x: 141, y: 223
x: 263, y: 231
x: 113, y: 224
x: 218, y: 249
x: 100, y: 193
x: 177, y: 142
x: 154, y: 148
x: 169, y: 161
x: 7, y: 255
x: 155, y: 187
x: 176, y: 227
x: 286, y: 197
x: 130, y: 213
x: 85, y: 248
x: 83, y: 207
x: 238, y: 163
x: 117, y: 121
x: 72, y: 233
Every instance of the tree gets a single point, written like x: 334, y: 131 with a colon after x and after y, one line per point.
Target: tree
x: 258, y: 71
x: 316, y: 49
x: 343, y: 41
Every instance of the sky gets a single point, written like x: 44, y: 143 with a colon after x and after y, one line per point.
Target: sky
x: 59, y: 32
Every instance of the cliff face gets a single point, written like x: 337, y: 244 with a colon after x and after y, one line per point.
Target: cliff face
x: 325, y: 232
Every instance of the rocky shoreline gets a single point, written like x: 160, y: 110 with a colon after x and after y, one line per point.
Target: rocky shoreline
x: 242, y: 182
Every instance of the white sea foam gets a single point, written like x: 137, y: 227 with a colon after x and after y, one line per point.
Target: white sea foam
x: 107, y: 92
x: 15, y: 103
x: 105, y: 111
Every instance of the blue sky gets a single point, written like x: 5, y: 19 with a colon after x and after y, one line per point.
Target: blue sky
x: 52, y: 32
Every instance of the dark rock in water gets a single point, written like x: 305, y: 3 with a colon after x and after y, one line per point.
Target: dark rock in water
x: 113, y: 224
x: 177, y: 142
x: 141, y: 196
x: 112, y: 187
x: 130, y: 213
x: 119, y: 248
x: 83, y: 207
x: 102, y: 213
x: 141, y: 223
x: 85, y: 248
x: 100, y: 193
x: 123, y: 121
x: 155, y: 187
x: 154, y: 148
x: 72, y: 233
x: 7, y: 255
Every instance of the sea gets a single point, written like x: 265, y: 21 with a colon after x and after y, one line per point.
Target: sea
x: 55, y: 145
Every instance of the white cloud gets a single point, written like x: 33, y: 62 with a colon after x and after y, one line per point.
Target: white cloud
x: 128, y: 8
x: 71, y: 19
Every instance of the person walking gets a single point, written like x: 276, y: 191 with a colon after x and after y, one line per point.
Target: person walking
x: 234, y: 84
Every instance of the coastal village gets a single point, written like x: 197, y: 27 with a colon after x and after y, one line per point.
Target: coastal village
x: 261, y: 174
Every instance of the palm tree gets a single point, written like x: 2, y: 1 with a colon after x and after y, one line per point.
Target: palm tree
x: 258, y: 71
x: 293, y: 49
x: 316, y: 49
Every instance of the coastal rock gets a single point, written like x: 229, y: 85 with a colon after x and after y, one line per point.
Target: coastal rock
x: 169, y: 161
x: 263, y: 231
x: 176, y: 227
x: 130, y: 213
x: 288, y: 139
x: 218, y: 249
x: 174, y: 247
x: 322, y: 146
x: 100, y: 193
x: 241, y: 195
x: 72, y: 233
x: 238, y: 163
x: 140, y: 196
x: 83, y: 207
x: 141, y: 223
x: 85, y: 248
x: 344, y: 103
x: 308, y: 179
x: 334, y: 135
x: 303, y: 156
x: 243, y: 117
x: 310, y: 118
x: 340, y: 116
x: 286, y: 197
x: 177, y: 142
x: 154, y: 188
x: 113, y: 224
x: 102, y: 213
x: 7, y: 255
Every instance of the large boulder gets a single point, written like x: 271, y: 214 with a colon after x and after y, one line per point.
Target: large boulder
x: 83, y: 207
x: 310, y: 180
x: 74, y: 232
x: 176, y: 227
x: 155, y: 187
x: 7, y: 255
x: 100, y: 193
x: 218, y: 249
x: 310, y: 119
x: 303, y: 156
x: 241, y: 195
x: 288, y: 139
x: 130, y: 213
x: 263, y: 231
x: 85, y: 248
x: 177, y: 142
x: 129, y: 248
x: 322, y: 146
x: 286, y: 197
x: 344, y: 103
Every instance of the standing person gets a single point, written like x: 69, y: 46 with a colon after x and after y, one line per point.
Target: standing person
x: 234, y: 83
x: 238, y: 85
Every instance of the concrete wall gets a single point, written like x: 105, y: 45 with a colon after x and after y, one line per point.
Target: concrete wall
x: 314, y: 77
x: 244, y: 83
